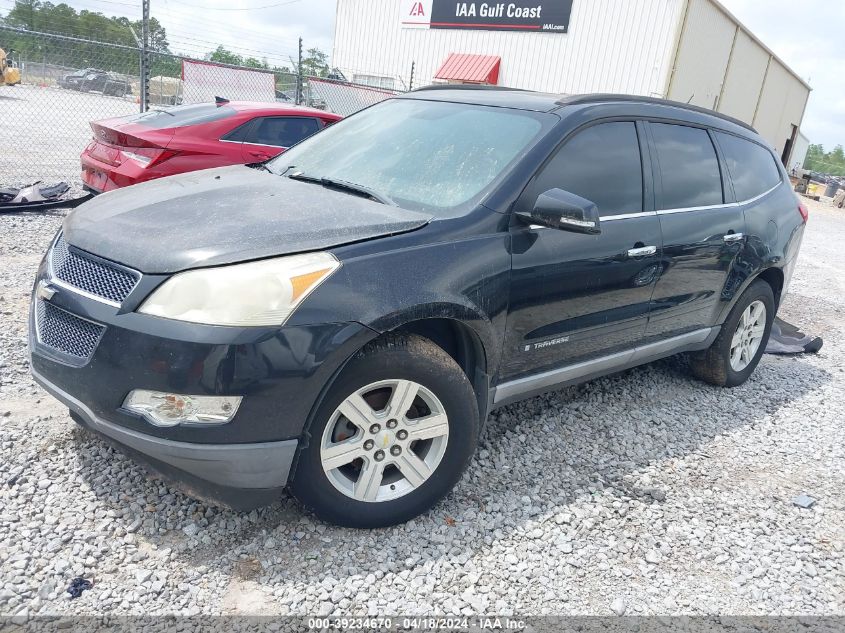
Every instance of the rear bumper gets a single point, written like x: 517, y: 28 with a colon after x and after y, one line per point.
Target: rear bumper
x: 100, y: 177
x: 241, y: 476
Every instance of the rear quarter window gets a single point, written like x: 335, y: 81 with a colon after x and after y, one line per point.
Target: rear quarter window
x: 751, y: 166
x: 689, y: 166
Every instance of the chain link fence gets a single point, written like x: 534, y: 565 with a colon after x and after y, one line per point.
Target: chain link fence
x: 68, y: 82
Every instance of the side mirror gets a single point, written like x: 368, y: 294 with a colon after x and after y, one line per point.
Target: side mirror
x: 559, y: 209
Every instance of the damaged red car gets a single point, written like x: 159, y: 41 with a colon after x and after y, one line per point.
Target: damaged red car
x: 158, y: 143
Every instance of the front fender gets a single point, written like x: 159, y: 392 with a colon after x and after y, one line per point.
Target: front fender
x: 464, y: 280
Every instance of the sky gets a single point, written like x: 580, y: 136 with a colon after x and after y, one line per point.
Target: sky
x: 808, y: 36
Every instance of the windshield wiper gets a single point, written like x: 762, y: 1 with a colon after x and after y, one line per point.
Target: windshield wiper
x: 343, y: 185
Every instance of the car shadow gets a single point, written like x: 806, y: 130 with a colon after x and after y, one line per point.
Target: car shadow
x: 569, y: 443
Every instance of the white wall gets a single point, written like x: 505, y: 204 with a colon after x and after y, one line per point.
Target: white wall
x: 781, y: 106
x: 799, y: 152
x: 612, y: 46
x: 703, y: 55
x: 744, y: 79
x: 720, y: 65
x: 688, y: 50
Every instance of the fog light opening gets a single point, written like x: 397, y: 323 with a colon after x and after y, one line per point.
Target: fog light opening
x: 175, y: 409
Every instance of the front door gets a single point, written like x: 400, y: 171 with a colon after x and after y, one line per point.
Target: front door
x: 577, y: 297
x: 703, y: 230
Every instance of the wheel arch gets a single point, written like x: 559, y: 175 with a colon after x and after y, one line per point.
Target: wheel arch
x: 463, y: 344
x: 773, y: 276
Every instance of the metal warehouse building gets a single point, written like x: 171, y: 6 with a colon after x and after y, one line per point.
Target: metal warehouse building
x: 693, y: 51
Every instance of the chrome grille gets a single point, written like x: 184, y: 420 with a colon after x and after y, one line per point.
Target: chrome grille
x: 100, y: 279
x: 65, y: 332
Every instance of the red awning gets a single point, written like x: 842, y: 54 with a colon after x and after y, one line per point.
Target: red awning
x: 479, y: 69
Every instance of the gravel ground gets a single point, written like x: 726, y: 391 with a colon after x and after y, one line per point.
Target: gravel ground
x: 642, y: 493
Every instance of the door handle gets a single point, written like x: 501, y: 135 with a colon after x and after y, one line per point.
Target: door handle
x: 261, y: 155
x: 730, y: 238
x: 645, y: 251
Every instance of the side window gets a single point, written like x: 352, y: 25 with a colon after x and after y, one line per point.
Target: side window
x: 689, y: 167
x: 601, y: 164
x: 238, y: 134
x: 751, y: 166
x: 282, y: 131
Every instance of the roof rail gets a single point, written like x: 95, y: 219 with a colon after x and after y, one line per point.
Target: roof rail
x: 604, y: 98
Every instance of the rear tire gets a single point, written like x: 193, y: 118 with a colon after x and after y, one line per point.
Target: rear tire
x: 736, y: 352
x: 391, y: 438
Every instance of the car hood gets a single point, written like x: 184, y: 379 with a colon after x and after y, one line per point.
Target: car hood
x: 223, y: 216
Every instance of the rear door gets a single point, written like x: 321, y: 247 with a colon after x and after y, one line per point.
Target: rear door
x: 702, y: 226
x: 577, y: 297
x: 269, y: 136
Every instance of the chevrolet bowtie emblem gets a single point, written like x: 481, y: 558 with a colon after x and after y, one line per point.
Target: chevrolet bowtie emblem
x: 45, y: 291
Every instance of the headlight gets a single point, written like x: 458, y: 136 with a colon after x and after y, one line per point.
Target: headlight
x: 254, y: 294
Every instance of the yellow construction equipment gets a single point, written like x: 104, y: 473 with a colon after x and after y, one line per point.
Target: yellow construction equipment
x: 10, y: 74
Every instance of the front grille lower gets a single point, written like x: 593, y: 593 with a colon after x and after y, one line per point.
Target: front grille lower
x: 66, y: 333
x: 107, y: 281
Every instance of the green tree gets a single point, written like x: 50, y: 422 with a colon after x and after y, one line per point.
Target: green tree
x: 832, y: 163
x: 252, y: 62
x: 61, y: 19
x: 316, y: 63
x: 223, y: 55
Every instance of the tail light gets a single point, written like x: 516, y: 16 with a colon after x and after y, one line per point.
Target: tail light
x: 804, y: 211
x: 147, y: 156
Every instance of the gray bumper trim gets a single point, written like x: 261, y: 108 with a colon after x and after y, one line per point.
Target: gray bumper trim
x: 264, y: 465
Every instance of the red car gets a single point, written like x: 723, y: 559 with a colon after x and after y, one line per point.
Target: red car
x: 141, y: 147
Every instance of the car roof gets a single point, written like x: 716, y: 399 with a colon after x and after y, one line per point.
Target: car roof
x: 264, y: 107
x: 487, y: 95
x: 549, y: 102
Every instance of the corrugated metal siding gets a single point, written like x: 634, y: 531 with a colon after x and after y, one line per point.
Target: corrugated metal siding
x: 799, y: 152
x: 720, y: 65
x: 625, y: 46
x: 744, y: 78
x: 640, y: 33
x: 702, y: 57
x: 781, y: 106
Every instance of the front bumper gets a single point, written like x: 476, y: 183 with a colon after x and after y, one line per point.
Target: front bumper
x: 279, y: 372
x: 242, y: 476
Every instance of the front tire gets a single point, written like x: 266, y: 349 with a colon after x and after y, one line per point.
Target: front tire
x: 391, y: 438
x: 736, y: 352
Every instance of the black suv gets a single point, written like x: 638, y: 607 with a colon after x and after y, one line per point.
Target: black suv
x: 342, y: 319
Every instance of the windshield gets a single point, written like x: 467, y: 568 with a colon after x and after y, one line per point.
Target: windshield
x: 424, y: 155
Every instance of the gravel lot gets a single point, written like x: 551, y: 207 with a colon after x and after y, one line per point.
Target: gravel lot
x: 45, y: 129
x: 644, y: 493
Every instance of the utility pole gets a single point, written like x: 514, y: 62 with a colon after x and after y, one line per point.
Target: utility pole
x: 411, y: 82
x: 299, y: 76
x: 145, y: 57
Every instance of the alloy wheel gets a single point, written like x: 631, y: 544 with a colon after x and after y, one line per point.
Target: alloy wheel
x: 384, y: 441
x: 748, y: 336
